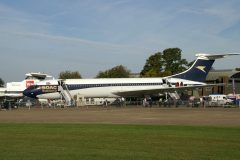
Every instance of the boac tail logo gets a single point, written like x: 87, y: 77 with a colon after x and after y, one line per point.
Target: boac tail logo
x: 201, y: 68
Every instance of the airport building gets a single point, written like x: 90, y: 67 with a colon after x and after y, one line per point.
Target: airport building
x: 231, y: 79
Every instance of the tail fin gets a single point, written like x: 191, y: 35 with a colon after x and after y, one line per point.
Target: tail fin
x: 200, y: 68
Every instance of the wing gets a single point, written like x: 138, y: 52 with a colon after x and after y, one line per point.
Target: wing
x: 142, y: 92
x: 13, y: 95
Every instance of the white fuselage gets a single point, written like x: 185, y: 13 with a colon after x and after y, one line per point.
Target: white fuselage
x: 94, y: 88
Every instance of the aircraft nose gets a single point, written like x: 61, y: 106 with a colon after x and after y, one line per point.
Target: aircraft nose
x: 29, y: 93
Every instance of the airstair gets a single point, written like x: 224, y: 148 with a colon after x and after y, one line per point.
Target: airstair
x: 174, y: 95
x: 63, y: 90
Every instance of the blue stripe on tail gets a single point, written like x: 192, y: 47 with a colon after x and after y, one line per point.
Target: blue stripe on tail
x: 197, y: 72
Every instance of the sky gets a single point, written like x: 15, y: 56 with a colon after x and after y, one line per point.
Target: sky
x: 89, y: 36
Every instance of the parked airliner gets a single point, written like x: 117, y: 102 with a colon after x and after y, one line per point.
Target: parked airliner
x: 15, y: 89
x: 192, y: 78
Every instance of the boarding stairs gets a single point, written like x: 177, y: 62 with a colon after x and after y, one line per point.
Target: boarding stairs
x: 64, y: 91
x: 174, y: 95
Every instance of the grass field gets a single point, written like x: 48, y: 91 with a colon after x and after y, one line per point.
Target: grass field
x: 95, y: 141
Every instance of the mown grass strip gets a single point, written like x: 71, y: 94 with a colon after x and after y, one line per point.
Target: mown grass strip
x: 96, y: 141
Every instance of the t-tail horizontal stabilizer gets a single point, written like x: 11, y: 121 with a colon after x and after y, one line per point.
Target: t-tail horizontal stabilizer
x: 214, y: 56
x: 200, y: 68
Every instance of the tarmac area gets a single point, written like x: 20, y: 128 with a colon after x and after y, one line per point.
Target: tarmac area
x: 125, y: 115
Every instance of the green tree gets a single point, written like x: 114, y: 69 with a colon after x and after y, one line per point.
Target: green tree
x: 153, y: 66
x: 173, y: 61
x: 164, y: 64
x: 115, y: 72
x: 70, y: 75
x: 1, y: 82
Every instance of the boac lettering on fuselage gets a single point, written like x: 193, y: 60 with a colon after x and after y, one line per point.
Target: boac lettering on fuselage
x: 49, y: 89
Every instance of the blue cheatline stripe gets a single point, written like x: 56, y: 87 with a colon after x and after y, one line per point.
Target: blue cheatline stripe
x: 84, y: 86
